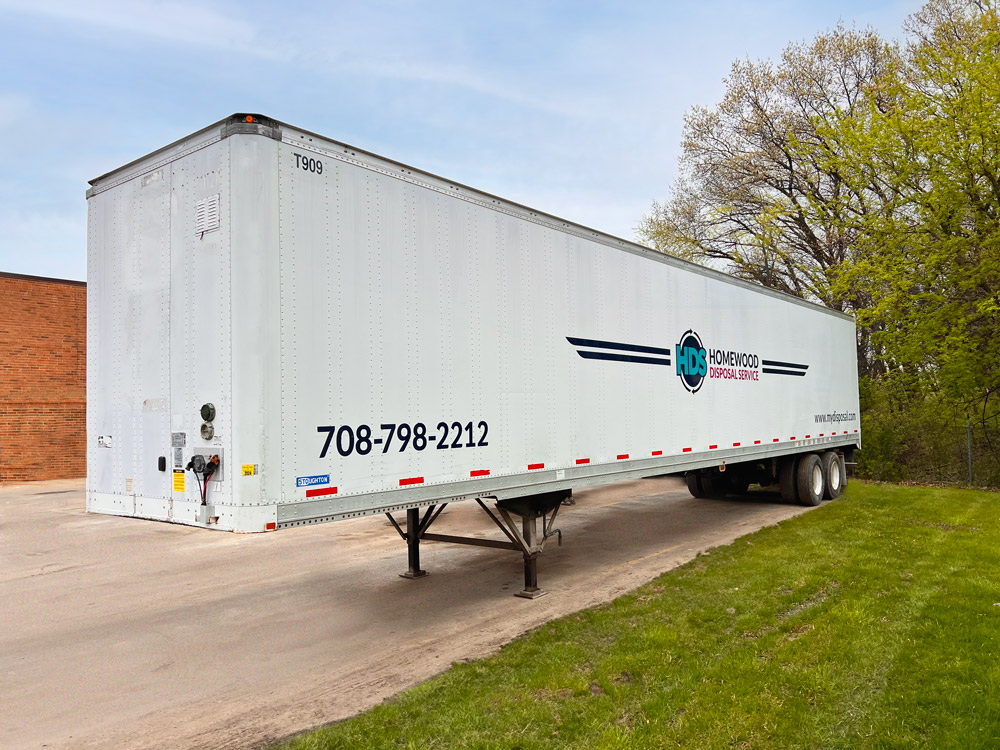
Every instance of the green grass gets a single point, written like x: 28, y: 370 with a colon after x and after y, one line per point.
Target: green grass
x: 872, y: 622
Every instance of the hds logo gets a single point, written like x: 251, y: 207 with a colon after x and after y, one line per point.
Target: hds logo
x: 691, y: 359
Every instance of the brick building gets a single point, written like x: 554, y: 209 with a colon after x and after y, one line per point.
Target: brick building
x: 43, y: 371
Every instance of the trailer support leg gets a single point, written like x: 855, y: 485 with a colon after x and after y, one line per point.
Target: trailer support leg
x: 524, y: 537
x: 413, y: 545
x: 532, y: 548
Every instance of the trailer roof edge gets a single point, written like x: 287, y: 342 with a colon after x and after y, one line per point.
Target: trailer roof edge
x: 265, y: 126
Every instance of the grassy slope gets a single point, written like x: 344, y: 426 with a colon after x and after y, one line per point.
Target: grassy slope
x: 871, y: 622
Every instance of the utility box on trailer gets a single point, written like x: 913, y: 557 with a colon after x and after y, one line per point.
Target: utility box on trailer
x: 286, y: 330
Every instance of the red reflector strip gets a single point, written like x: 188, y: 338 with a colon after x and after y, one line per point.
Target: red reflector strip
x: 411, y: 480
x: 808, y: 436
x: 792, y: 437
x: 821, y: 434
x: 270, y: 526
x: 582, y: 461
x: 656, y: 453
x: 686, y: 450
x: 622, y: 456
x: 756, y: 442
x: 736, y: 445
x: 532, y: 467
x: 480, y: 473
x: 775, y: 440
x: 321, y: 491
x: 845, y: 431
x: 712, y: 447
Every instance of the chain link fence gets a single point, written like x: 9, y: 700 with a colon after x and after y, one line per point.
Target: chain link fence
x: 934, y: 445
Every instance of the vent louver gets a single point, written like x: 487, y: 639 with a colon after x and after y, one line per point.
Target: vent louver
x: 206, y: 214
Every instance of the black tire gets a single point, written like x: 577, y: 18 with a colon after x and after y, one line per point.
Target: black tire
x: 713, y: 485
x: 833, y: 475
x: 809, y: 480
x: 693, y: 480
x: 786, y: 479
x: 736, y: 484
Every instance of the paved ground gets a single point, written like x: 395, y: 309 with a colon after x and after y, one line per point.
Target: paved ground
x: 118, y: 632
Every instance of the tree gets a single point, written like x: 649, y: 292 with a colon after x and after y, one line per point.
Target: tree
x: 927, y: 260
x: 757, y: 194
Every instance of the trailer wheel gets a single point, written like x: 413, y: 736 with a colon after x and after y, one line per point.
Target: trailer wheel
x: 713, y: 485
x: 810, y: 480
x: 737, y: 485
x: 833, y: 475
x: 786, y: 479
x: 693, y: 480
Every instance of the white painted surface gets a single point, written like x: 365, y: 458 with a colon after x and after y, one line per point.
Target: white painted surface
x: 367, y: 293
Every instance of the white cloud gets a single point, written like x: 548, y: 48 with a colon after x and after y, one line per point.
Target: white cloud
x: 186, y: 23
x: 465, y: 77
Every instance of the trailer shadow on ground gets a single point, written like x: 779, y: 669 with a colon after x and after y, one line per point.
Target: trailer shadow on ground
x: 122, y: 632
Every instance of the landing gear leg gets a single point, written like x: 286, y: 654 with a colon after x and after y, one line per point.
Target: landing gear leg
x: 529, y: 533
x: 527, y: 540
x: 413, y: 545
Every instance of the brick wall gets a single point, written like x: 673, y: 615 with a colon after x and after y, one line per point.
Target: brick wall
x: 43, y: 370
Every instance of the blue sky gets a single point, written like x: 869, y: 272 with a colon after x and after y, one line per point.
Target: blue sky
x: 575, y: 108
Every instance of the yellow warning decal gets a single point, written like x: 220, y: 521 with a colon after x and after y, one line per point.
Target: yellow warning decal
x: 178, y: 480
x: 249, y: 470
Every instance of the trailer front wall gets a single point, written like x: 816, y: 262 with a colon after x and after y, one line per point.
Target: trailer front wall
x: 159, y: 337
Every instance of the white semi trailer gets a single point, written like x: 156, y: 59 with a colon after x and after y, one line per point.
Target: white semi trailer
x: 286, y: 330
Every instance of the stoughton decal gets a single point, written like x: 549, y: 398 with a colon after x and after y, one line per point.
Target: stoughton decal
x: 310, y: 481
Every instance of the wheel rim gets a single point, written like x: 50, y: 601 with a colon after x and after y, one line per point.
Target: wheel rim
x: 817, y: 481
x: 835, y: 475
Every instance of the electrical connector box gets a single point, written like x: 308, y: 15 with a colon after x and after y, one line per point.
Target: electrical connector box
x: 219, y: 474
